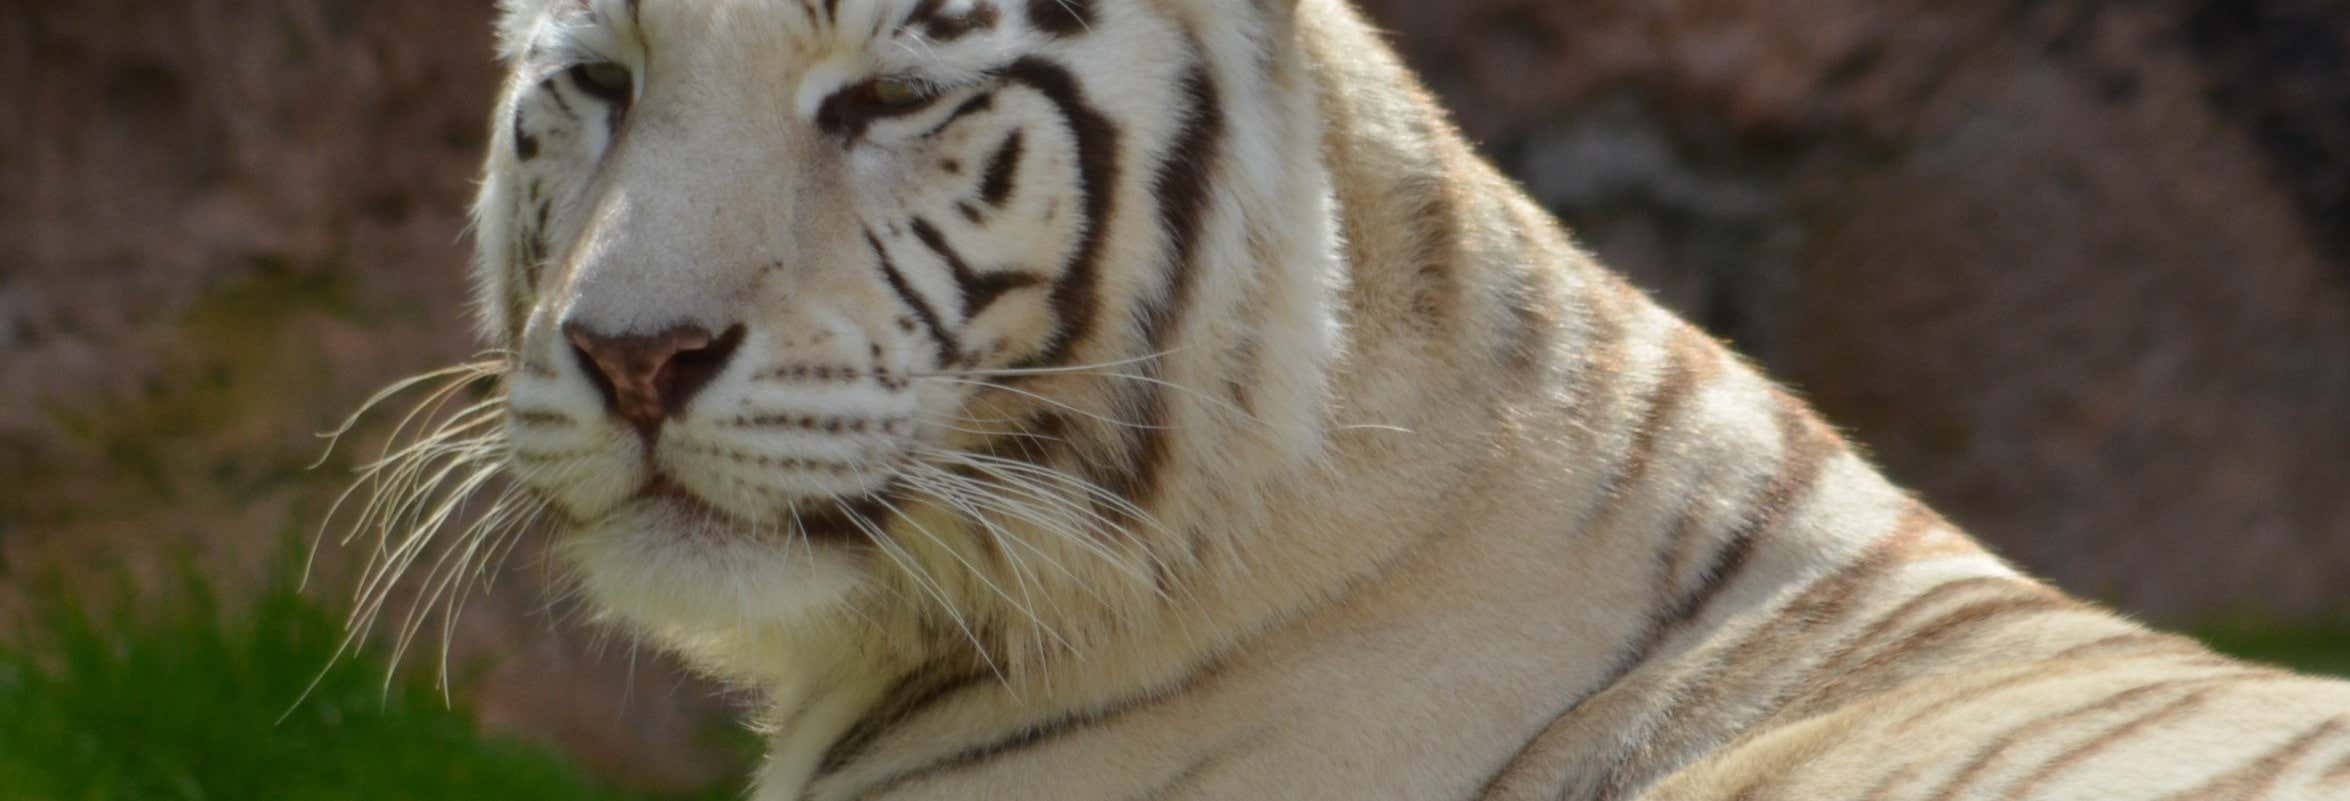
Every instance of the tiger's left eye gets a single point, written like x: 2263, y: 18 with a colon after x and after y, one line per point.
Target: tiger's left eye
x: 851, y: 110
x: 898, y: 93
x: 605, y: 81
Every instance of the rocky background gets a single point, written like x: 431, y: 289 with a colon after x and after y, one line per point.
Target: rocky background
x: 2078, y: 270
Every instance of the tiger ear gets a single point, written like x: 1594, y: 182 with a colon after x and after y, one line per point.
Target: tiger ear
x: 516, y: 18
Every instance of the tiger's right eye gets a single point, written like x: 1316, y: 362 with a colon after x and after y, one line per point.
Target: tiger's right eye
x: 605, y: 80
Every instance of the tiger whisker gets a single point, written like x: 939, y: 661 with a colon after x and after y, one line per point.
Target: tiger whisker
x: 975, y: 572
x: 1051, y: 402
x: 432, y: 465
x: 922, y: 581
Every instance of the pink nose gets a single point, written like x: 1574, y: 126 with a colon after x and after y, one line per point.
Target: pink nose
x: 646, y: 379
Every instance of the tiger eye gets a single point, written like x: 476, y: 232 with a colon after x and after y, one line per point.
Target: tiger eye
x: 898, y: 92
x: 605, y: 79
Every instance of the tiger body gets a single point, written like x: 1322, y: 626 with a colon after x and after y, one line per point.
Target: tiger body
x: 1157, y: 399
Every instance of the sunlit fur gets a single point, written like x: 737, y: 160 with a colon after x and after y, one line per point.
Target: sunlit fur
x: 1176, y: 407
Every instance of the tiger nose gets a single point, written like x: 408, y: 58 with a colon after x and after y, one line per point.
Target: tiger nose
x: 646, y: 379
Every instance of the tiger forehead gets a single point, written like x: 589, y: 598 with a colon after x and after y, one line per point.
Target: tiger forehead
x: 816, y: 22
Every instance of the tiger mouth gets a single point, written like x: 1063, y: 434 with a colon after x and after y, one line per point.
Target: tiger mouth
x: 844, y: 520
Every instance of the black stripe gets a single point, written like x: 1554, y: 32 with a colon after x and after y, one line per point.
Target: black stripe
x: 1042, y: 733
x: 1181, y: 186
x: 921, y: 14
x: 1184, y: 176
x: 1805, y: 454
x: 997, y: 184
x: 972, y: 106
x: 1075, y: 303
x: 980, y: 290
x: 526, y: 146
x: 942, y: 30
x: 948, y: 349
x: 908, y: 698
x: 1061, y: 17
x: 554, y: 90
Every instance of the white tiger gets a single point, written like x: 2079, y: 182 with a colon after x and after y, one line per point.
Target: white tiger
x: 1156, y: 399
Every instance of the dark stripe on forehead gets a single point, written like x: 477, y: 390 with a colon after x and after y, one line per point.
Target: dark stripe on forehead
x: 1061, y: 17
x: 943, y: 29
x: 1074, y: 299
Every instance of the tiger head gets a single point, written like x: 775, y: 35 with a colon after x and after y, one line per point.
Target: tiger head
x: 958, y: 316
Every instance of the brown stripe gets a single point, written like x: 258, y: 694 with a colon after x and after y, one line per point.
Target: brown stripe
x: 1075, y: 304
x: 1826, y: 601
x: 1530, y: 327
x: 909, y: 697
x: 2256, y: 779
x: 2339, y: 773
x: 942, y: 30
x: 1965, y: 620
x: 978, y: 103
x: 1805, y: 454
x: 1062, y: 18
x: 1884, y: 787
x: 1605, y: 304
x: 1182, y: 185
x: 2082, y: 751
x: 1837, y: 665
x: 1983, y: 691
x: 1689, y: 363
x: 949, y: 351
x: 979, y: 290
x: 2136, y: 643
x: 1991, y: 752
x: 1185, y: 176
x: 1609, y: 307
x: 997, y: 183
x: 921, y: 14
x: 1043, y: 733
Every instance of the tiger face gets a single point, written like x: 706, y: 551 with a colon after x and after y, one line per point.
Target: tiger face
x: 806, y: 298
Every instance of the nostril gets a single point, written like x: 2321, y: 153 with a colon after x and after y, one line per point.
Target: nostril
x: 647, y: 378
x: 691, y: 370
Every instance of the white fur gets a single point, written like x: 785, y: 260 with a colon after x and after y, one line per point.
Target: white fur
x: 1381, y: 578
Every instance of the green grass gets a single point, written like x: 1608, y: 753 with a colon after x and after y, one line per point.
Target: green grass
x: 2322, y: 649
x: 182, y: 702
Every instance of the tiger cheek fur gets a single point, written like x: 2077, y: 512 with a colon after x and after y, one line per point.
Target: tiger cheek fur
x: 1117, y: 399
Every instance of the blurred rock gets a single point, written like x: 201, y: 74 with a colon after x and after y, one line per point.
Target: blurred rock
x: 2079, y: 270
x: 222, y: 225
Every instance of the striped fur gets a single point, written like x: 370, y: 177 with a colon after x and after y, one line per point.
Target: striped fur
x: 1157, y: 399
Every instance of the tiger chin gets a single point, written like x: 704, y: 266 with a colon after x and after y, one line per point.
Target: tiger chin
x: 1157, y: 399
